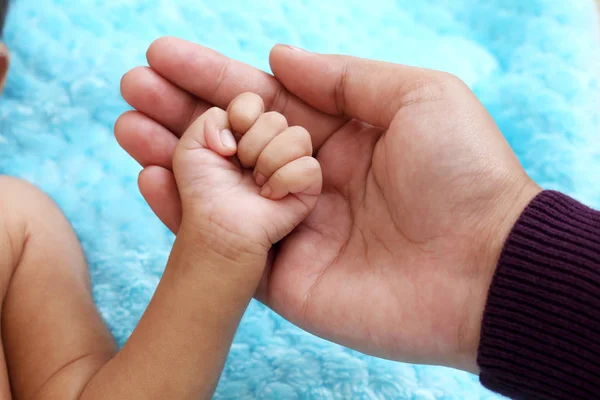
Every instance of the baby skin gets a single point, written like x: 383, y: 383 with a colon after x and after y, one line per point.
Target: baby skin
x: 238, y: 199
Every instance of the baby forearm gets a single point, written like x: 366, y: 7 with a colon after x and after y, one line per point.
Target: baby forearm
x: 181, y: 343
x: 55, y: 343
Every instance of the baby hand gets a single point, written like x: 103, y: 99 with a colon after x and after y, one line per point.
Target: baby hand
x: 241, y: 198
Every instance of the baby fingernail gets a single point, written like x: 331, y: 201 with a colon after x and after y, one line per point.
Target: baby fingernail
x: 266, y: 191
x: 227, y: 139
x: 260, y: 179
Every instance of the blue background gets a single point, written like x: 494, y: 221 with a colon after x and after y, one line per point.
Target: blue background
x: 534, y: 64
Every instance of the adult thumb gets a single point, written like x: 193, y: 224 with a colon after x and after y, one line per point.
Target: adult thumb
x: 371, y: 91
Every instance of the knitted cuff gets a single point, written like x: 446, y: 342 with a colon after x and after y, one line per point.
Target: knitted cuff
x: 540, y: 335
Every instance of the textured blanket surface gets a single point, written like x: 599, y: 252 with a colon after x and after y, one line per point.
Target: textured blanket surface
x: 533, y: 63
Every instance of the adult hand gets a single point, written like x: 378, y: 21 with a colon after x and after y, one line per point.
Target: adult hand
x: 420, y: 191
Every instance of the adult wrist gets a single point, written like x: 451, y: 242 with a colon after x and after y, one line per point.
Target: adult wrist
x: 503, y: 216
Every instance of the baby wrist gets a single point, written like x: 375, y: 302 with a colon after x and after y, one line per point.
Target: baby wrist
x: 209, y: 250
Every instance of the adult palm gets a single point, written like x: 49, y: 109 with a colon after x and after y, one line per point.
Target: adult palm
x: 420, y: 189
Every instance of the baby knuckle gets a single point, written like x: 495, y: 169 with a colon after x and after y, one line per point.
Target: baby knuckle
x: 252, y: 98
x: 278, y: 177
x: 249, y: 152
x: 311, y: 163
x: 271, y: 159
x: 274, y: 119
x: 246, y: 155
x: 241, y: 121
x: 246, y: 103
x: 311, y: 168
x: 302, y: 139
x: 214, y: 112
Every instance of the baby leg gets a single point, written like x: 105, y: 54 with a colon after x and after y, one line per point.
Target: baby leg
x: 53, y: 339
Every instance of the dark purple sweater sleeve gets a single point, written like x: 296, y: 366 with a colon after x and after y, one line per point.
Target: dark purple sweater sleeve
x: 540, y: 336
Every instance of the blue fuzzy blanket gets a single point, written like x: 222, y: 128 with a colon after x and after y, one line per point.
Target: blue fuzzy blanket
x: 534, y: 63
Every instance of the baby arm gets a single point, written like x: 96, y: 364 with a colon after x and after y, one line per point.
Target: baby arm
x: 229, y: 225
x: 55, y: 343
x: 53, y: 339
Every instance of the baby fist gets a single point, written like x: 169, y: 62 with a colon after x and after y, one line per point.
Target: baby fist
x: 241, y: 198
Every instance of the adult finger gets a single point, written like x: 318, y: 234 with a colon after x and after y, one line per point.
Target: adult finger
x: 217, y: 79
x: 159, y: 189
x: 147, y: 141
x: 148, y: 92
x: 371, y: 91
